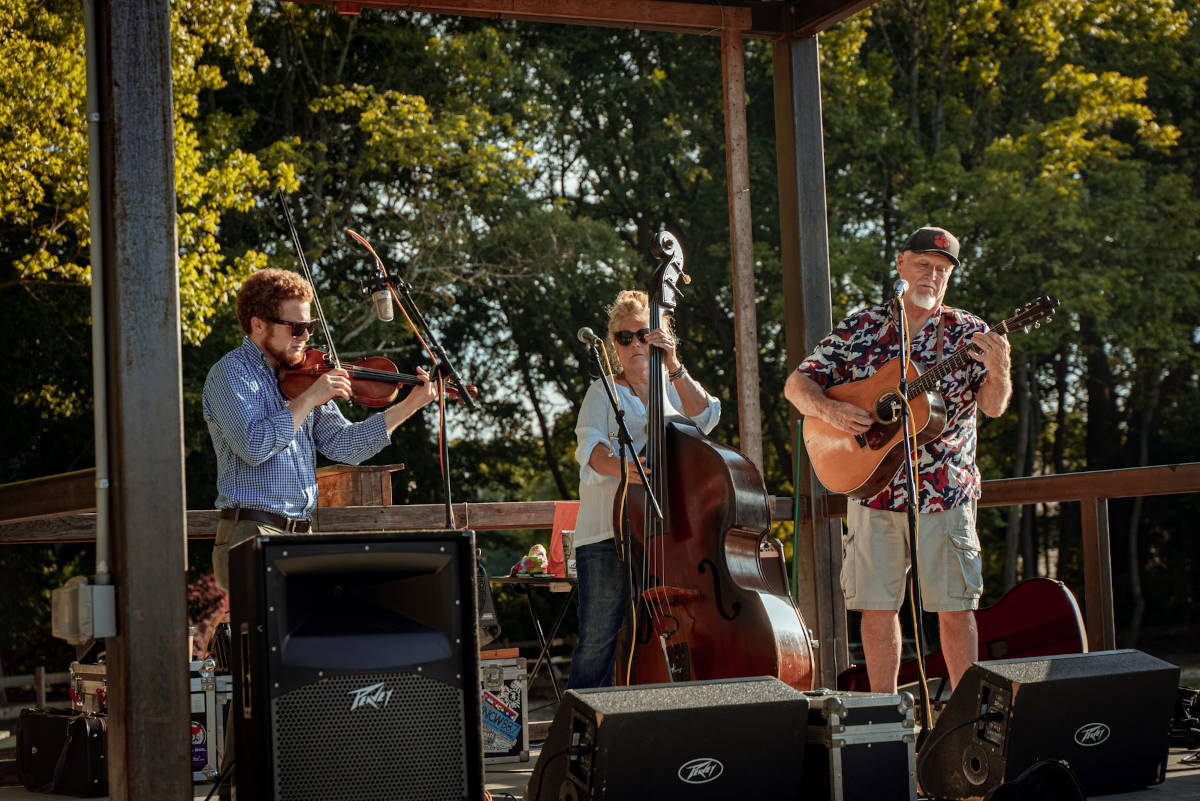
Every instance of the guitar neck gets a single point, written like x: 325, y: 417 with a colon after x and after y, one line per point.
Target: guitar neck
x: 929, y: 379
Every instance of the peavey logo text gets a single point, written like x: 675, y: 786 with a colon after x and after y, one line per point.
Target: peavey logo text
x: 1090, y: 734
x: 374, y: 696
x: 700, y: 770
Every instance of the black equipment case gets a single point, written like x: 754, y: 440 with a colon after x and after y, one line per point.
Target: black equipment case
x: 62, y: 751
x: 861, y: 746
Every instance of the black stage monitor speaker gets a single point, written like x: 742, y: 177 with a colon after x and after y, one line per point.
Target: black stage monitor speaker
x: 1106, y: 714
x: 695, y: 740
x: 356, y: 667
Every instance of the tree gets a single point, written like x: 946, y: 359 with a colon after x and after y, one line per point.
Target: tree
x: 1032, y: 130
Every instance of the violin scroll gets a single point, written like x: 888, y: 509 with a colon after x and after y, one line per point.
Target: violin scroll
x: 665, y: 284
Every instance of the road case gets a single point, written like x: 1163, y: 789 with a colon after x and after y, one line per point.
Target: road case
x: 860, y: 746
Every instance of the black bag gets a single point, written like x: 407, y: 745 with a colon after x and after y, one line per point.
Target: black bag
x: 62, y: 751
x: 1046, y: 780
x: 489, y: 624
x: 220, y: 647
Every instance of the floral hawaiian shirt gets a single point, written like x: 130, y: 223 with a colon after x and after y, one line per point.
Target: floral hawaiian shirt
x: 947, y: 476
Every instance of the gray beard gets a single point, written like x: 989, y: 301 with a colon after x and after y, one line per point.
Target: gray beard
x: 923, y: 299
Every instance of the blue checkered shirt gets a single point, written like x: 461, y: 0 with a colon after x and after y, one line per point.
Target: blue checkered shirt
x: 262, y: 462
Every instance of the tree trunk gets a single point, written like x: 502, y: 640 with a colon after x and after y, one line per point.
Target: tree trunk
x: 1103, y: 418
x: 1135, y: 562
x: 1021, y: 400
x: 531, y: 390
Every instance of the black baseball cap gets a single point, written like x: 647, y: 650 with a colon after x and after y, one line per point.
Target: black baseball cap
x: 931, y: 239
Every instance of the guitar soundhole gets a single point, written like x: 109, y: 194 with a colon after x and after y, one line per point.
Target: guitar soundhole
x: 887, y: 408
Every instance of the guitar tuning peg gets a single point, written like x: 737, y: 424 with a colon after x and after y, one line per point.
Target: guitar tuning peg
x: 687, y: 279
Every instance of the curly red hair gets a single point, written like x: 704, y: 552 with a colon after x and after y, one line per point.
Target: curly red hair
x: 262, y: 293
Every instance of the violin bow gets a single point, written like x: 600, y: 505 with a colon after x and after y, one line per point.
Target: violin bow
x: 337, y: 362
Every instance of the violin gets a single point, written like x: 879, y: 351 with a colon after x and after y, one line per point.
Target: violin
x: 374, y: 381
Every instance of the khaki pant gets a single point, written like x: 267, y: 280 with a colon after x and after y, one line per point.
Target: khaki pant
x: 875, y: 559
x: 229, y: 534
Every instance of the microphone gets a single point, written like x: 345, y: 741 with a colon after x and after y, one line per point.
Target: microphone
x: 588, y: 337
x: 382, y: 298
x: 899, y: 288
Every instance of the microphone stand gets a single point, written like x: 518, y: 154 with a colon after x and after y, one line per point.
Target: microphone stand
x: 626, y: 442
x: 910, y: 480
x: 445, y: 372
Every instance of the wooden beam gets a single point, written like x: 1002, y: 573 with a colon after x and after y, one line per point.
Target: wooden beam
x: 149, y: 750
x: 70, y: 521
x: 804, y: 248
x: 202, y: 523
x: 65, y: 493
x: 741, y: 247
x: 812, y: 17
x: 1124, y: 483
x: 649, y: 15
x: 1098, y: 609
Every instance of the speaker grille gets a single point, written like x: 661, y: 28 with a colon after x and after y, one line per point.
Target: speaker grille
x: 404, y: 740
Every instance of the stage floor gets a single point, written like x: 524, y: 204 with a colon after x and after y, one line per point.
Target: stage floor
x: 507, y: 781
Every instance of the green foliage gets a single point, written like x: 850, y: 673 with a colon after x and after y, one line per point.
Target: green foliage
x: 30, y: 572
x: 515, y: 174
x: 1054, y: 138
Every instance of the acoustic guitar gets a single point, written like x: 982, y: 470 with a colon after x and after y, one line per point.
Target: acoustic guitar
x: 1038, y: 617
x: 860, y: 465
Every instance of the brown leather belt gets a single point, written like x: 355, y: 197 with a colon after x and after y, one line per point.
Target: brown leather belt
x: 270, y: 518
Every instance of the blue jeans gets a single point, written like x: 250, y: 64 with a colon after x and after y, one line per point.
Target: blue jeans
x: 602, y: 604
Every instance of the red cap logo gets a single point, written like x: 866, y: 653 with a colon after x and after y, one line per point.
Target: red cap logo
x: 941, y: 241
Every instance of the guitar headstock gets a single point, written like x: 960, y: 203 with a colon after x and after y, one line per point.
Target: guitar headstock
x: 1033, y: 313
x: 664, y: 287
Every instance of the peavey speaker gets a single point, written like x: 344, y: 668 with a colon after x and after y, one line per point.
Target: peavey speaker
x: 695, y: 740
x: 1106, y: 714
x: 356, y: 667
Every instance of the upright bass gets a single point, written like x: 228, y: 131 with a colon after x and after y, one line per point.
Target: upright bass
x: 710, y: 592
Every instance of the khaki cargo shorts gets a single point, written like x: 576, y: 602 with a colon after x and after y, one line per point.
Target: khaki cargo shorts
x: 875, y: 559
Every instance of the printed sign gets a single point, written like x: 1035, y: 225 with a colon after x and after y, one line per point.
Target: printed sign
x: 500, y: 724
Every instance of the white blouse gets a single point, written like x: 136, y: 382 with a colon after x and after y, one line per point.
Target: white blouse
x: 597, y: 424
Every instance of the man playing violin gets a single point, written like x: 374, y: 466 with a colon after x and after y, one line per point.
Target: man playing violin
x: 267, y: 446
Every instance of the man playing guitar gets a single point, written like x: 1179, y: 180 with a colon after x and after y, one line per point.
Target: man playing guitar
x: 876, y: 558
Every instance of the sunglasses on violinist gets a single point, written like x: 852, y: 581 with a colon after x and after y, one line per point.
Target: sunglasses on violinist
x: 626, y: 337
x: 298, y: 329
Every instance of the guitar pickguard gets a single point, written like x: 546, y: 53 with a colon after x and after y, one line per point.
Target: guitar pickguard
x: 880, y: 434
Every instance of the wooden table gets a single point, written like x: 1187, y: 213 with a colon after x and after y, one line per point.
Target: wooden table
x: 557, y: 584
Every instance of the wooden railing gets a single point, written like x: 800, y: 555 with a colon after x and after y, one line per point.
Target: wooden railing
x: 30, y: 500
x: 39, y: 680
